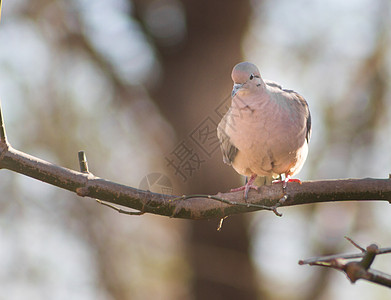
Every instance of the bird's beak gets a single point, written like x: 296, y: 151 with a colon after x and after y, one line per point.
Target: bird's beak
x: 235, y: 89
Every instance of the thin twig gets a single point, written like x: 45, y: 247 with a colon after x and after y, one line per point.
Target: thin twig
x: 355, y: 244
x: 3, y: 135
x: 271, y: 208
x: 83, y: 162
x: 369, y: 257
x: 84, y: 169
x: 313, y: 260
x: 355, y: 270
x: 120, y: 210
x: 220, y: 226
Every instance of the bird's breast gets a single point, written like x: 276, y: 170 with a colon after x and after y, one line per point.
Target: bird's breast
x: 267, y: 137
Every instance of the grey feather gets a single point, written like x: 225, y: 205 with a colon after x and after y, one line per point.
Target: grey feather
x: 303, y: 102
x: 272, y: 84
x: 228, y: 150
x: 300, y: 99
x: 308, y: 135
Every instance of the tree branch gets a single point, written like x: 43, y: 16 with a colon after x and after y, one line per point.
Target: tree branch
x: 355, y: 270
x: 86, y: 184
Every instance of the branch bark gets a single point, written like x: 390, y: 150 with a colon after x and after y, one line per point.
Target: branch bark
x: 86, y: 184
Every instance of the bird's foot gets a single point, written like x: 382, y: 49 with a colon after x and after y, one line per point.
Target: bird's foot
x: 249, y: 185
x: 246, y: 189
x: 286, y: 180
x: 242, y: 188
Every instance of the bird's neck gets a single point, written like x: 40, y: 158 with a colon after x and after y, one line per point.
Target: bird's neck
x: 249, y: 99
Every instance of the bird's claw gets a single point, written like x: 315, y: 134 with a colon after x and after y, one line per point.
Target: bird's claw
x: 285, y: 181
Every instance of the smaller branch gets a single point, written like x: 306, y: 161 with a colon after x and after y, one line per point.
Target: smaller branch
x: 355, y: 244
x: 83, y: 162
x: 369, y: 257
x: 356, y: 269
x: 247, y: 204
x: 220, y: 226
x: 120, y: 210
x: 84, y: 169
x: 3, y: 135
x: 328, y: 258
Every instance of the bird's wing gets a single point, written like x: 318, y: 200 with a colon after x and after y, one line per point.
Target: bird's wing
x: 304, y: 103
x: 227, y: 148
x: 300, y: 100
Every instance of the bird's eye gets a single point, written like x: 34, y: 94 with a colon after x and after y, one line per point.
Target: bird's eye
x: 251, y: 77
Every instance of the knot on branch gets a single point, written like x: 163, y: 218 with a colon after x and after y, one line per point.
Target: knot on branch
x: 82, y: 191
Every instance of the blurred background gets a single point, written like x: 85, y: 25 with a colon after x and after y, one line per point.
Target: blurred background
x: 140, y: 86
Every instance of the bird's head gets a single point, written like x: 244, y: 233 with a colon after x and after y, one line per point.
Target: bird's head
x: 246, y: 78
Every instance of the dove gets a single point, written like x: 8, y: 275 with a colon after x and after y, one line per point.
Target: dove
x: 266, y: 131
